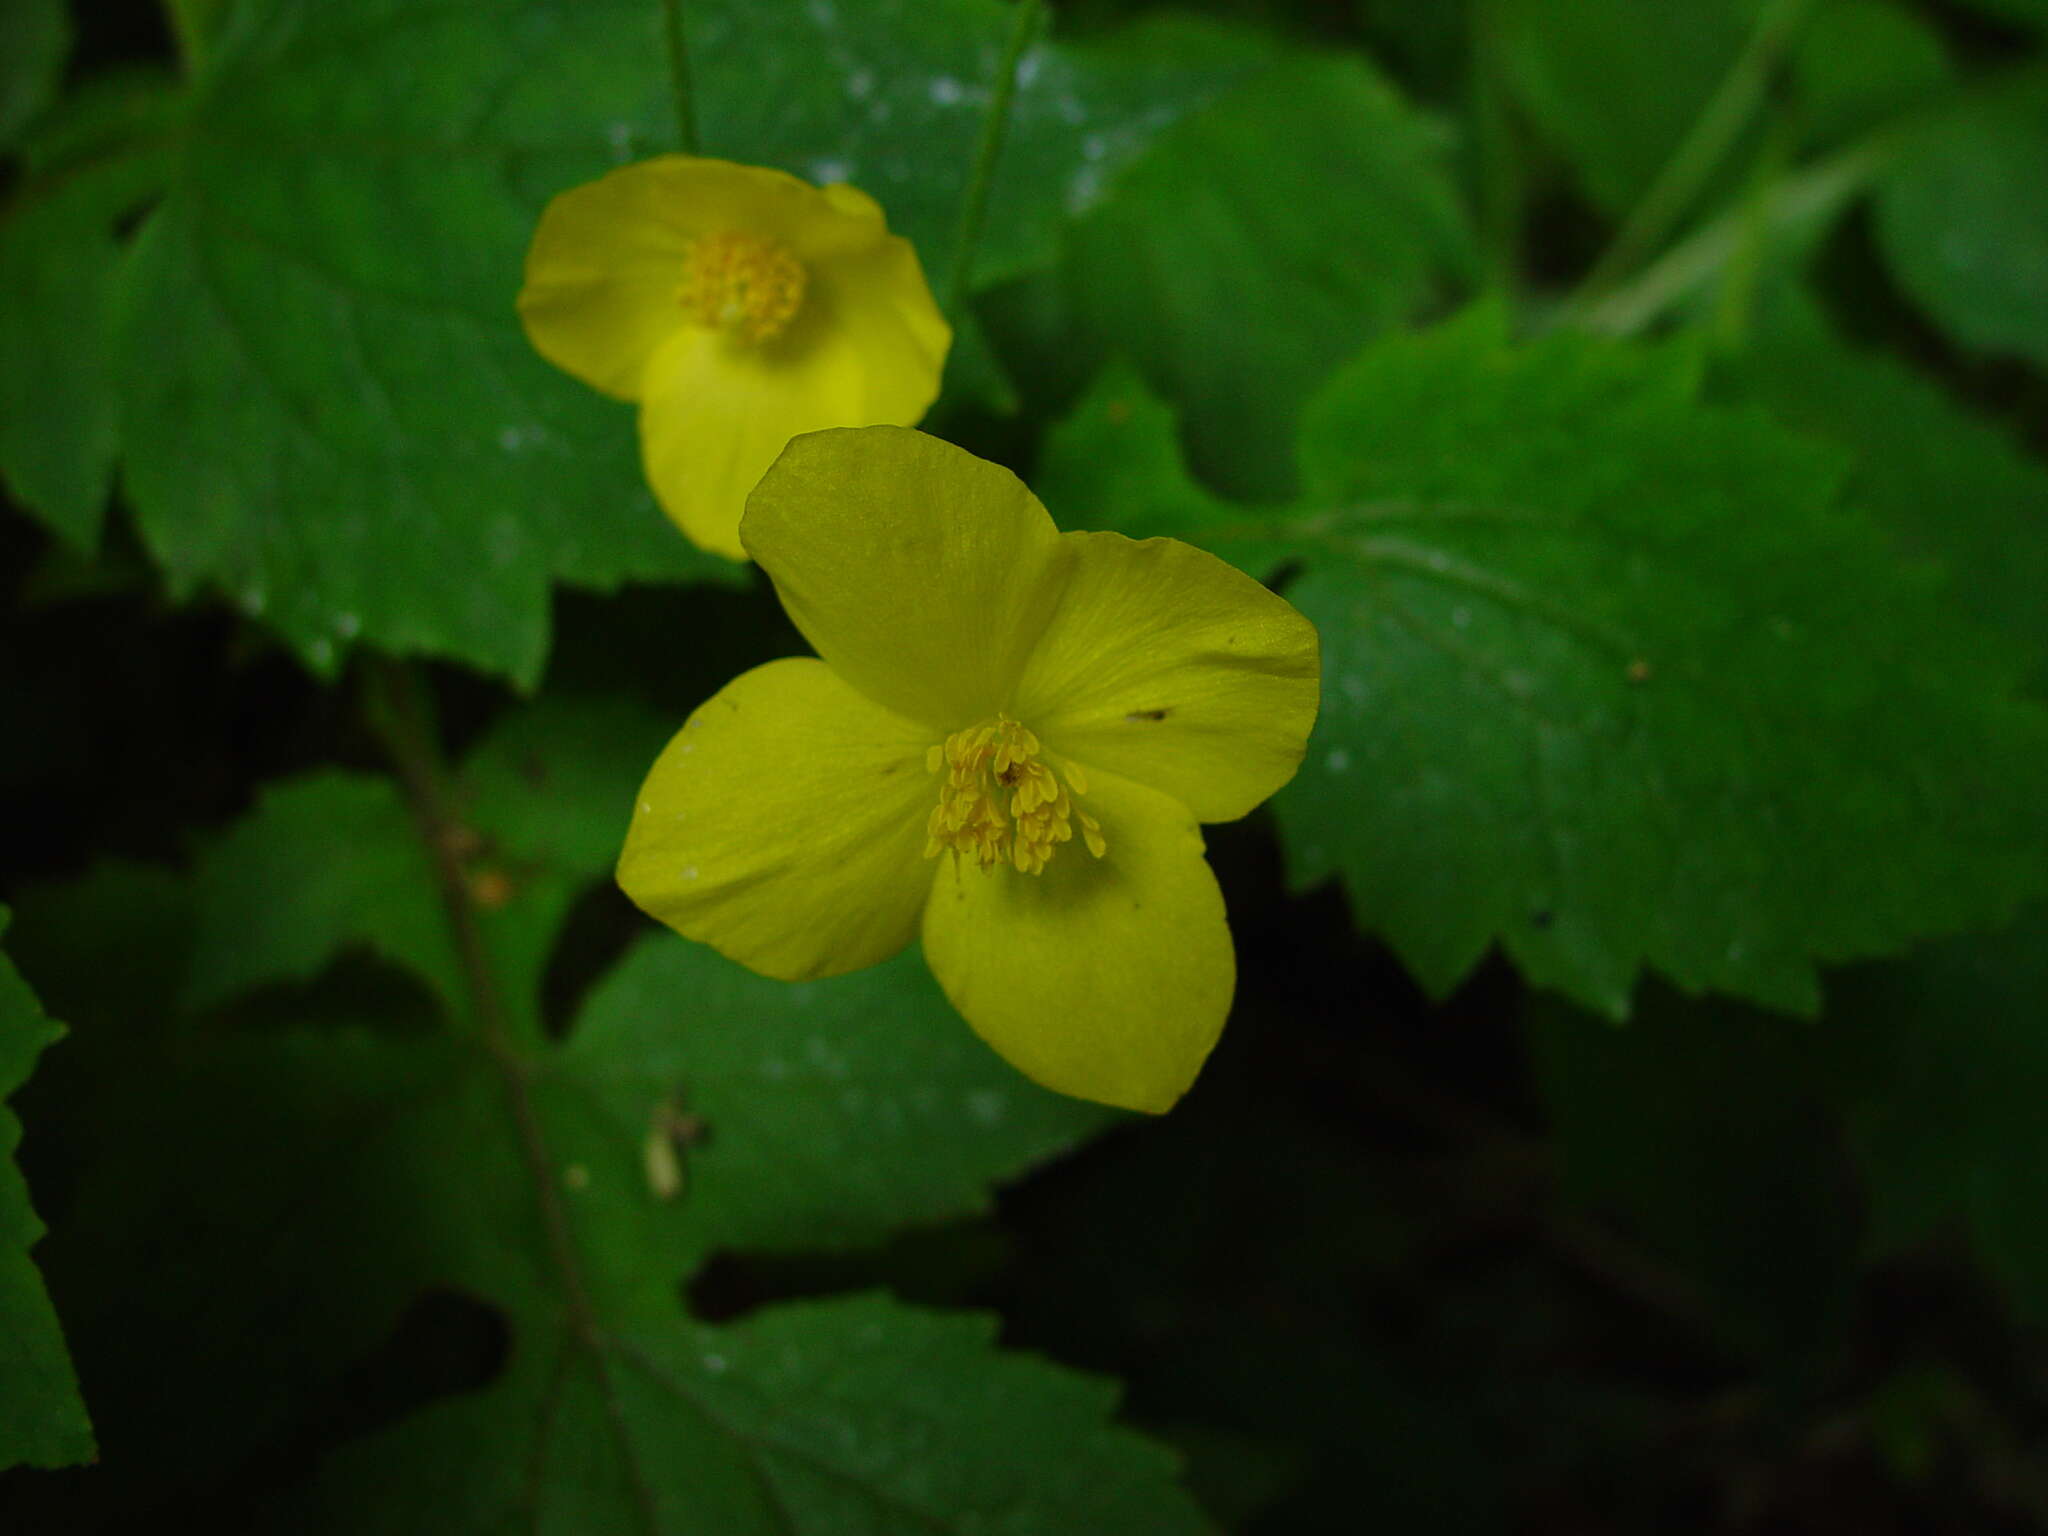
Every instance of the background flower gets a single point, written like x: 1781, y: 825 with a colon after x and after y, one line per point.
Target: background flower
x: 740, y: 306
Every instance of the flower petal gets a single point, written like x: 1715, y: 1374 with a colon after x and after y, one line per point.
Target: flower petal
x: 784, y: 826
x: 607, y: 259
x: 920, y: 572
x: 1171, y: 667
x: 713, y: 416
x: 1109, y: 978
x: 868, y: 347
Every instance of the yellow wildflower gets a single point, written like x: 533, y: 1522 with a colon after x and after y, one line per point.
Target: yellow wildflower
x: 1008, y: 741
x: 740, y: 306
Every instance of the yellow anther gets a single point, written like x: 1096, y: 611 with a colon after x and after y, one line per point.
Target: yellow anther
x: 981, y: 762
x: 743, y: 285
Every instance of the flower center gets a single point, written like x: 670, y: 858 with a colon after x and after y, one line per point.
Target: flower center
x: 743, y: 285
x: 999, y: 802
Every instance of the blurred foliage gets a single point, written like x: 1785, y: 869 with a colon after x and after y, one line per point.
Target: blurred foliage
x: 1631, y: 1115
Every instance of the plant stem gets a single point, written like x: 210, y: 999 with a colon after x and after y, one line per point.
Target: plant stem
x: 679, y: 76
x: 974, y: 209
x: 1743, y: 277
x: 398, y: 714
x: 1706, y: 144
x: 1804, y: 199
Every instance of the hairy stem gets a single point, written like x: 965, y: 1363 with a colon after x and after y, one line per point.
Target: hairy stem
x: 398, y: 714
x: 974, y: 208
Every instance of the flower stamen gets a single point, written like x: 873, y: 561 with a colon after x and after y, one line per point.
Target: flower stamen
x: 748, y: 287
x: 1023, y: 828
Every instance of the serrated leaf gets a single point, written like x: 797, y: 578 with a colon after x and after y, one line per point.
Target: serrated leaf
x: 321, y: 310
x: 42, y: 1418
x: 823, y: 1417
x: 1610, y: 680
x: 343, y: 846
x: 544, y: 798
x: 1946, y: 485
x: 842, y: 1090
x: 573, y: 1185
x: 816, y: 1117
x: 58, y: 403
x: 1963, y: 220
x: 890, y: 95
x: 1261, y: 242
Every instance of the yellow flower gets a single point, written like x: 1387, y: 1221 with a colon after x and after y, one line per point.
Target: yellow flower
x: 740, y: 307
x: 1008, y: 742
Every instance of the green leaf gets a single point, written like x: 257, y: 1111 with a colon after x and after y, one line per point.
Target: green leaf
x: 546, y: 797
x: 890, y: 95
x: 852, y: 1415
x: 42, y: 1418
x: 1609, y: 679
x: 1615, y: 84
x: 693, y: 1108
x: 1963, y: 220
x: 840, y: 1094
x: 574, y: 1185
x: 1946, y: 485
x: 343, y: 844
x: 1114, y: 462
x: 58, y: 402
x: 1943, y: 1080
x: 321, y: 310
x: 1261, y: 242
x: 35, y: 40
x: 1858, y: 63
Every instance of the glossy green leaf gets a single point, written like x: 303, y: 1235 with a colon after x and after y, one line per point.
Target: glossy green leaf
x: 1948, y: 486
x: 693, y: 1108
x: 59, y: 407
x: 574, y: 1185
x: 1615, y: 84
x: 1964, y: 221
x: 42, y: 1418
x: 1260, y: 243
x: 1608, y: 680
x: 1860, y: 63
x: 343, y: 846
x: 321, y: 310
x: 545, y: 800
x: 807, y: 1420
